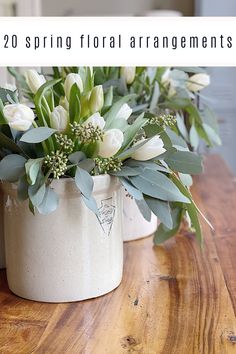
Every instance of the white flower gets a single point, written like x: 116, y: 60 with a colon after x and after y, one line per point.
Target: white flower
x: 96, y: 100
x: 153, y: 148
x: 59, y: 119
x: 124, y: 112
x: 64, y: 103
x: 128, y: 73
x: 111, y: 144
x: 165, y: 79
x: 198, y: 82
x: 96, y: 120
x: 10, y: 87
x: 34, y: 80
x: 70, y: 80
x: 18, y: 116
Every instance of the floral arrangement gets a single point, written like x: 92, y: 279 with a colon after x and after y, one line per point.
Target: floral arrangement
x: 74, y: 127
x: 159, y: 90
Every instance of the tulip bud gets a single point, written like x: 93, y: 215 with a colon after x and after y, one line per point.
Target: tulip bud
x: 124, y: 112
x: 18, y: 116
x: 34, y: 80
x: 70, y: 80
x: 64, y: 103
x: 59, y: 119
x: 128, y: 73
x: 96, y: 100
x: 84, y: 101
x: 153, y: 148
x: 198, y: 82
x: 111, y: 143
x: 96, y: 120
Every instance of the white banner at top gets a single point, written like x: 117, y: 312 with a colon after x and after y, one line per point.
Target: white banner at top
x: 118, y: 41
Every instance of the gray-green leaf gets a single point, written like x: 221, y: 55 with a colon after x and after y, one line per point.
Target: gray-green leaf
x: 37, y: 135
x: 12, y: 167
x: 84, y: 182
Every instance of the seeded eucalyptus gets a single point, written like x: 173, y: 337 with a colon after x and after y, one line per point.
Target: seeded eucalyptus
x: 56, y: 164
x: 106, y: 165
x: 87, y: 134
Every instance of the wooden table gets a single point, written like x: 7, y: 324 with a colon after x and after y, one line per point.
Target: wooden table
x: 173, y: 298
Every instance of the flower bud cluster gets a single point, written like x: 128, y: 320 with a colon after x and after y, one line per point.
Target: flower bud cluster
x: 163, y: 120
x: 66, y: 144
x: 56, y: 162
x: 106, y: 165
x: 87, y: 133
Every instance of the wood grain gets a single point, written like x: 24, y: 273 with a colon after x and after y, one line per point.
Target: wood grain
x: 173, y: 299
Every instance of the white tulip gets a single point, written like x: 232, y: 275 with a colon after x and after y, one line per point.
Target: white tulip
x: 96, y: 120
x: 64, y: 103
x: 96, y: 100
x: 18, y: 116
x: 128, y: 73
x: 165, y: 79
x: 59, y: 119
x: 34, y: 80
x: 70, y: 80
x: 153, y: 148
x: 124, y: 112
x: 111, y: 143
x: 198, y: 82
x: 172, y: 91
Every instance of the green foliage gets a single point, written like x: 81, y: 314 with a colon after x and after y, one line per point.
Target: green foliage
x: 37, y: 135
x: 12, y: 167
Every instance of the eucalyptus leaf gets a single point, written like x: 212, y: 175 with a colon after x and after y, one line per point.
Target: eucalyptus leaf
x: 134, y: 192
x: 84, y: 182
x: 12, y: 168
x: 8, y: 96
x: 144, y: 209
x: 186, y: 179
x: 194, y: 138
x: 182, y: 128
x: 77, y: 157
x: 32, y: 167
x: 185, y: 162
x: 176, y: 140
x: 163, y: 233
x: 36, y: 194
x: 213, y: 136
x: 157, y: 185
x: 37, y: 135
x: 161, y: 210
x: 91, y: 204
x: 49, y: 203
x: 87, y: 165
x: 127, y: 171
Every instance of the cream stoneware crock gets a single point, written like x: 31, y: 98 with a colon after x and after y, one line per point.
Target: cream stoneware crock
x: 71, y: 254
x: 2, y: 247
x: 135, y: 226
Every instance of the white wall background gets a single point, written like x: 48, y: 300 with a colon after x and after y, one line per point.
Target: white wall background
x: 223, y: 87
x: 112, y: 7
x: 95, y: 8
x: 215, y: 7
